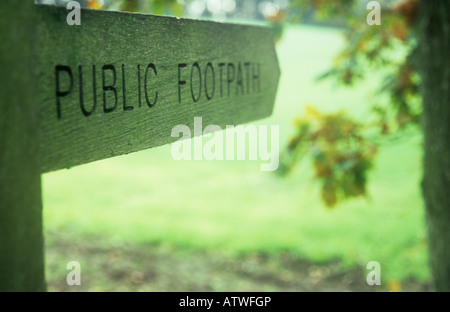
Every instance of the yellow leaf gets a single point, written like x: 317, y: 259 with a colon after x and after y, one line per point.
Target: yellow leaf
x: 394, y: 286
x: 312, y: 112
x: 94, y: 4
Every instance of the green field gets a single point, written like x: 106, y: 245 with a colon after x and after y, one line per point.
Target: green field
x: 232, y: 207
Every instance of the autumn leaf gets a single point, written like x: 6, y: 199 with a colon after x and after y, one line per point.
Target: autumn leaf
x: 341, y: 155
x: 94, y: 4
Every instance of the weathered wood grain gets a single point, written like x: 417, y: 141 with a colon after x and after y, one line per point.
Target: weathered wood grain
x: 127, y: 111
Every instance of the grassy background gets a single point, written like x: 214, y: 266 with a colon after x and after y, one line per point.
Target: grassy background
x: 234, y: 208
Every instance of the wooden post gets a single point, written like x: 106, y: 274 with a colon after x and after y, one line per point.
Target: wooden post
x: 21, y: 237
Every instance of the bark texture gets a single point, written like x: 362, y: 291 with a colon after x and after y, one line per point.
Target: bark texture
x: 434, y: 66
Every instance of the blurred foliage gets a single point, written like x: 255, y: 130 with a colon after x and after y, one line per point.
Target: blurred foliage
x: 277, y: 22
x: 169, y: 7
x: 177, y: 8
x: 341, y: 154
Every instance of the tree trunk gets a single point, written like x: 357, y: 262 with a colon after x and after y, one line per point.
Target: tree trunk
x: 434, y: 63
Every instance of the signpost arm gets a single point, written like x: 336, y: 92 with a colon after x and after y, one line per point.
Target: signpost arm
x: 21, y: 236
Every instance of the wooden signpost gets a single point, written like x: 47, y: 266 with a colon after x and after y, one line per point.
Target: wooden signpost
x: 120, y: 82
x: 116, y: 84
